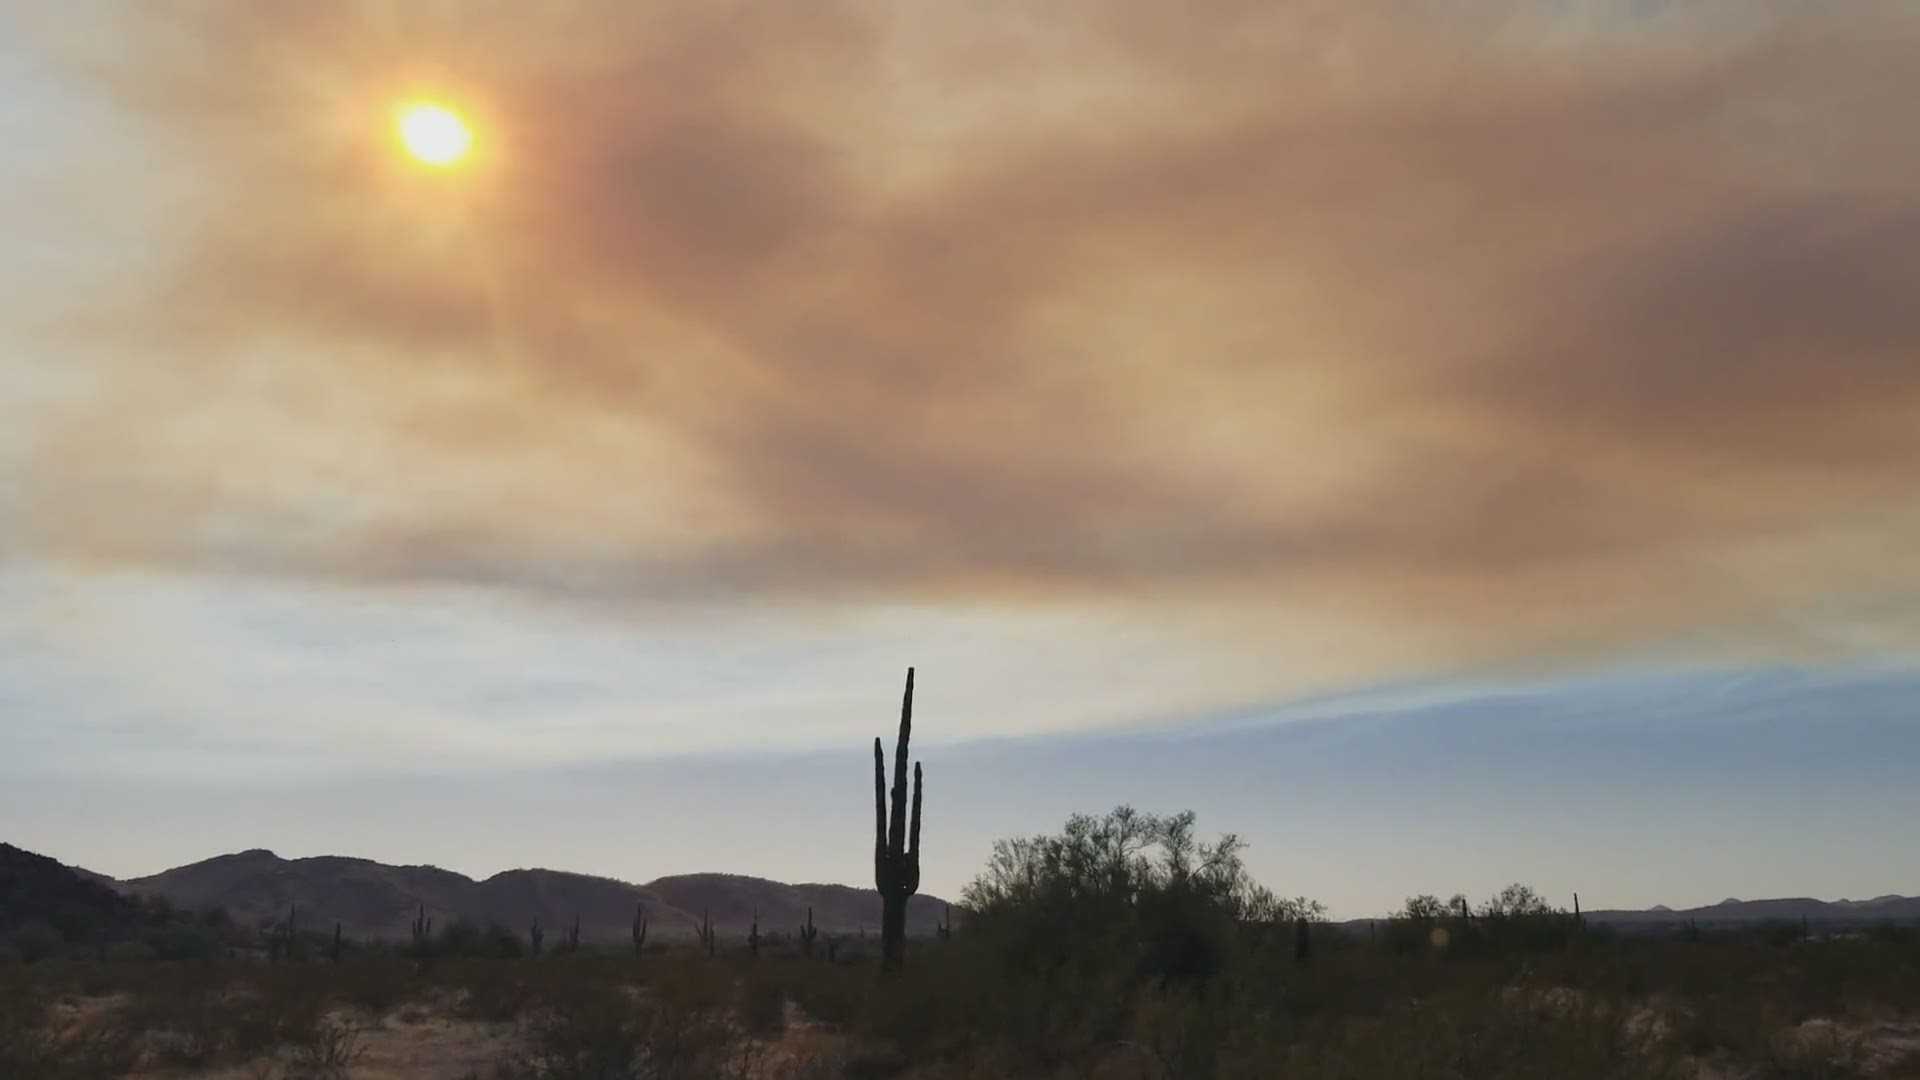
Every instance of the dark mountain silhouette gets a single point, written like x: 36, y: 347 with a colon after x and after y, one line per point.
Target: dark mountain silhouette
x: 1881, y: 909
x: 1788, y: 909
x: 75, y: 904
x: 373, y: 899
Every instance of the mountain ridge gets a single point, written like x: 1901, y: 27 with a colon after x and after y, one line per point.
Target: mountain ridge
x: 1891, y: 907
x: 374, y: 899
x: 1888, y: 908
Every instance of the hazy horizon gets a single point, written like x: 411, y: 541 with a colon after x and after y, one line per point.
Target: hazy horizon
x: 1680, y: 789
x: 1446, y: 444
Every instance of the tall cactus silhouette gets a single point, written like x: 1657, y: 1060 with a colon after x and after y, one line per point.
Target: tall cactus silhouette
x: 896, y: 844
x: 809, y: 933
x: 639, y: 927
x: 279, y: 938
x: 704, y: 930
x: 536, y: 936
x: 422, y: 928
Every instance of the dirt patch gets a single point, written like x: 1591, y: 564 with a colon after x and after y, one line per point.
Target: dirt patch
x: 432, y: 1048
x: 412, y: 1048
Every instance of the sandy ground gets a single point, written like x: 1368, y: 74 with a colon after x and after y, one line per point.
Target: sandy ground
x: 1889, y: 1049
x: 431, y: 1048
x: 410, y: 1048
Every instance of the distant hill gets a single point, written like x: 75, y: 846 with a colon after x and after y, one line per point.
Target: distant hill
x: 1731, y: 912
x: 378, y: 900
x: 374, y: 899
x: 78, y: 906
x: 34, y: 888
x: 1791, y: 909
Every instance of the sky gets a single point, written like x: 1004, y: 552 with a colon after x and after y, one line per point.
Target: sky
x: 1445, y: 443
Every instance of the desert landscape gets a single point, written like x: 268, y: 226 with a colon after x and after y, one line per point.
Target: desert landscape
x: 1124, y: 946
x: 939, y: 540
x: 1208, y: 979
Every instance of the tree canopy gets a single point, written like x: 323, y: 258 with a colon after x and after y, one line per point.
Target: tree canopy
x: 1126, y: 884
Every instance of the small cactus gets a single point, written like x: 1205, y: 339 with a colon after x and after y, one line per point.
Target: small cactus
x: 422, y: 927
x: 573, y: 935
x: 753, y: 936
x: 639, y: 931
x: 536, y: 936
x: 283, y: 948
x: 944, y: 928
x: 336, y: 944
x: 704, y: 930
x: 808, y: 933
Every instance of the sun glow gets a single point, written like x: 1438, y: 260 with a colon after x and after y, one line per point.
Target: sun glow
x: 432, y: 133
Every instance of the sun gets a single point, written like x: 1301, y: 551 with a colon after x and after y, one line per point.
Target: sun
x: 432, y: 133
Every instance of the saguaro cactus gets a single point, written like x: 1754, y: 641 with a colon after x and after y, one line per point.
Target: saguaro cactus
x: 573, y: 935
x: 535, y: 935
x: 896, y: 843
x: 808, y: 933
x: 945, y: 927
x: 422, y: 927
x: 753, y: 935
x: 639, y: 927
x: 336, y: 943
x: 704, y: 930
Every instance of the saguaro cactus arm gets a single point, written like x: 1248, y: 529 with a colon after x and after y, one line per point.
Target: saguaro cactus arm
x: 879, y: 801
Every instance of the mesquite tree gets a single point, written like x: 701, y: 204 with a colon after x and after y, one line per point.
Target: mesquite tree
x: 896, y: 844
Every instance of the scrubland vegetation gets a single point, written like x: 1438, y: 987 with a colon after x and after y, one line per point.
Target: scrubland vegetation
x: 1122, y: 947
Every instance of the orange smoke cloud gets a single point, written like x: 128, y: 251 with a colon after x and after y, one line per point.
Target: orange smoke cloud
x: 1559, y: 330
